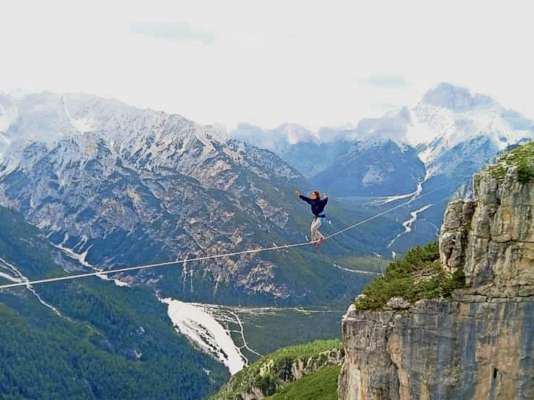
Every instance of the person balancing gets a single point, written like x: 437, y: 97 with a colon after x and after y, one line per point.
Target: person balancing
x: 318, y: 205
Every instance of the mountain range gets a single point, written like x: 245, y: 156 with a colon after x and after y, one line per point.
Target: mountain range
x: 114, y: 185
x: 88, y: 184
x: 431, y: 149
x: 446, y: 121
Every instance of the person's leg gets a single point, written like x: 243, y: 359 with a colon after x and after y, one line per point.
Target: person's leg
x: 320, y: 236
x: 316, y: 235
x: 313, y: 229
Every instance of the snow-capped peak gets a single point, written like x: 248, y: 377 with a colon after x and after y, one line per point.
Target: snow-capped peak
x: 456, y: 98
x: 49, y: 118
x: 448, y: 116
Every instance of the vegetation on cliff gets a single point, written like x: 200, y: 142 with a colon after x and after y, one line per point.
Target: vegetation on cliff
x: 320, y: 385
x: 273, y: 372
x: 418, y: 275
x: 521, y: 157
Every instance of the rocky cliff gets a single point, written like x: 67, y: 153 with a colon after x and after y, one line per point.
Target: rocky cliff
x: 479, y: 344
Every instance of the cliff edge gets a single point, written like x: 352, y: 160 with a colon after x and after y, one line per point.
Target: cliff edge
x: 479, y: 342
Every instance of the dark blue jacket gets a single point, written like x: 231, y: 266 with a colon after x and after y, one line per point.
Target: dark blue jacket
x: 317, y: 205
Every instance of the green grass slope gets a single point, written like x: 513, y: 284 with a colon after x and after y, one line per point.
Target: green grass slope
x: 273, y: 372
x: 321, y: 385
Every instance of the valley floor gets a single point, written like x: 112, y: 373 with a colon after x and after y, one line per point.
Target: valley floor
x: 237, y: 336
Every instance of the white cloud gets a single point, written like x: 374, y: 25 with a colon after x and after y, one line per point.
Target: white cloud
x: 172, y: 30
x: 268, y: 62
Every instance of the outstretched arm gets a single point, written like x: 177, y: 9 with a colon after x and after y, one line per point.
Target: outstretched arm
x: 306, y: 199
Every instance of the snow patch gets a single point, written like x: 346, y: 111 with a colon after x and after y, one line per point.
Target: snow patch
x: 409, y: 223
x: 10, y: 278
x: 81, y: 258
x: 82, y: 124
x: 355, y: 271
x: 413, y: 195
x: 21, y: 278
x: 201, y: 328
x: 372, y: 177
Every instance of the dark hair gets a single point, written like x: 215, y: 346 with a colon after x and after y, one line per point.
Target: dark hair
x: 317, y: 193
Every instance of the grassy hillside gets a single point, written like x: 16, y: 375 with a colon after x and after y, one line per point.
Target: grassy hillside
x: 321, y: 385
x: 274, y: 372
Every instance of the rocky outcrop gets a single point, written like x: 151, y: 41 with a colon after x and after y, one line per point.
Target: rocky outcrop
x: 480, y: 343
x: 492, y: 238
x: 274, y: 371
x: 455, y: 230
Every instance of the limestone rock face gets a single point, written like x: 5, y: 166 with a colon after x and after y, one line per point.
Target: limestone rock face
x: 455, y: 230
x: 397, y: 303
x: 492, y: 238
x: 480, y: 344
x: 475, y: 349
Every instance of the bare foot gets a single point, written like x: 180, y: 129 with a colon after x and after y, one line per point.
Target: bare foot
x: 318, y: 244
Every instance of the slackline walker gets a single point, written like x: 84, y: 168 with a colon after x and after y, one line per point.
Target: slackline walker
x: 316, y: 242
x: 318, y: 204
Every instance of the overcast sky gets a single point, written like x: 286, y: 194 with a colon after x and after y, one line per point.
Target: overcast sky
x: 267, y: 62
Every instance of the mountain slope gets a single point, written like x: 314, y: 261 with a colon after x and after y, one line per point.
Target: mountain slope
x: 372, y: 169
x: 306, y: 151
x: 361, y: 161
x: 119, y: 186
x: 457, y: 132
x: 277, y: 373
x: 87, y: 339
